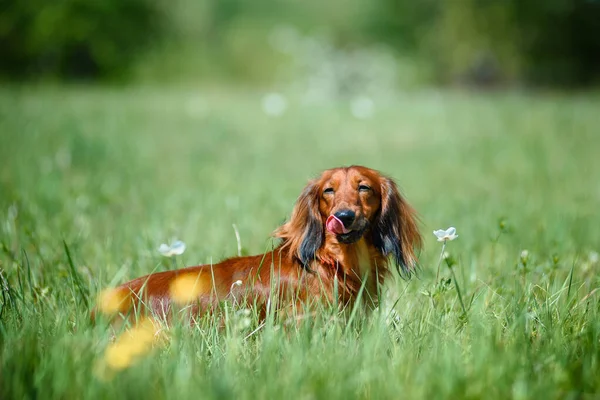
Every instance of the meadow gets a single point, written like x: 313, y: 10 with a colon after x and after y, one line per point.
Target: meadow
x: 94, y: 179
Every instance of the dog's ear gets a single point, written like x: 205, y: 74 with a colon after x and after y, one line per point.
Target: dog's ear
x: 303, y: 234
x: 395, y: 229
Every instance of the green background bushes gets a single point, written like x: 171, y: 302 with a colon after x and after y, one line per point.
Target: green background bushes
x: 75, y: 38
x: 550, y: 42
x: 542, y: 42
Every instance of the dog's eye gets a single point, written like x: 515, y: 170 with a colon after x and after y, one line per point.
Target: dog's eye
x: 328, y: 191
x: 363, y: 188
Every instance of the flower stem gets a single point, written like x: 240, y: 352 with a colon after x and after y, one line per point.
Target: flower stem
x: 458, y: 291
x: 437, y: 275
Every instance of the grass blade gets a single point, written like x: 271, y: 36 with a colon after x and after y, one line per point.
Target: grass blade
x: 76, y: 278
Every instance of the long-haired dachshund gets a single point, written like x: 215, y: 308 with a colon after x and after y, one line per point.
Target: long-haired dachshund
x: 345, y: 227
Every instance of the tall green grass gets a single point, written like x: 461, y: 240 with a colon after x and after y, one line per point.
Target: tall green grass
x: 93, y: 180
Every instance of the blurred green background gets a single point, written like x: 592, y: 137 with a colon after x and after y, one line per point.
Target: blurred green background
x: 260, y: 42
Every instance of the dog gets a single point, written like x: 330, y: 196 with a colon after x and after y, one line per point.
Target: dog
x: 346, y: 229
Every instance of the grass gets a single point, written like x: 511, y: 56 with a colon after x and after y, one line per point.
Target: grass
x: 92, y: 180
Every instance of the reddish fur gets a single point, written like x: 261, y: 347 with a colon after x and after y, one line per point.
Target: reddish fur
x: 294, y: 281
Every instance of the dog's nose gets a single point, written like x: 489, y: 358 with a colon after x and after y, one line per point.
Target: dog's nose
x: 346, y: 216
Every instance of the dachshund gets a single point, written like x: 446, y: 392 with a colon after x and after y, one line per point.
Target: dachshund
x: 336, y: 248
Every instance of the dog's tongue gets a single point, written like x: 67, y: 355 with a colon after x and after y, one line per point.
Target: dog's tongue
x: 334, y: 225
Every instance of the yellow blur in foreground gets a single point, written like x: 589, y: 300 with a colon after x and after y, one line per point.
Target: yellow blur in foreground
x: 188, y: 287
x: 112, y: 301
x: 132, y: 344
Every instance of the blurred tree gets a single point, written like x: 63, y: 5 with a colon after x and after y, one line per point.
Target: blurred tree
x: 75, y: 38
x: 560, y: 40
x: 481, y: 42
x: 548, y: 42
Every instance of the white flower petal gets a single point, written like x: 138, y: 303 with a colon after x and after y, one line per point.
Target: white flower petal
x: 178, y: 247
x: 164, y: 250
x: 448, y: 234
x: 439, y: 233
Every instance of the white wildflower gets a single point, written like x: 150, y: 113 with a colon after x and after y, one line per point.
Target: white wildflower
x: 444, y: 235
x: 175, y: 249
x: 236, y: 283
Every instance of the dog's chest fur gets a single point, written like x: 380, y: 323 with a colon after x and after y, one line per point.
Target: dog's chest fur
x: 363, y: 258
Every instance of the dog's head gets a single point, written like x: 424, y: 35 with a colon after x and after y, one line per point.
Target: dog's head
x: 346, y: 204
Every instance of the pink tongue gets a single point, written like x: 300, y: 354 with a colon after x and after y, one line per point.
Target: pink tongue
x: 334, y: 225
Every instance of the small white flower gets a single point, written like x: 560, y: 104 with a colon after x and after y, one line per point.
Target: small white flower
x: 444, y: 235
x: 274, y: 104
x: 236, y: 283
x: 524, y: 254
x: 593, y: 257
x: 175, y: 249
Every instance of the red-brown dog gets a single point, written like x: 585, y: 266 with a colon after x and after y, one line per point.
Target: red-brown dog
x: 344, y: 227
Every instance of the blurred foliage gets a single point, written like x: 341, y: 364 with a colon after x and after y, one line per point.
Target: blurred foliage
x: 75, y: 38
x: 550, y: 42
x: 560, y: 39
x: 480, y: 42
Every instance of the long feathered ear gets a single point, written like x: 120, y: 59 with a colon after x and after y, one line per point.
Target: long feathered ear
x: 303, y: 233
x: 395, y: 230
